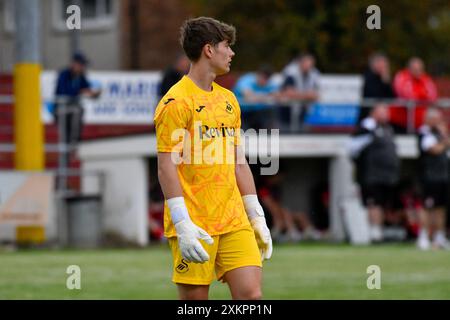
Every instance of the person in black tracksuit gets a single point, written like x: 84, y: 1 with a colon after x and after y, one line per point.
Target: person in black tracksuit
x: 173, y: 74
x: 377, y: 82
x: 377, y: 166
x: 434, y: 177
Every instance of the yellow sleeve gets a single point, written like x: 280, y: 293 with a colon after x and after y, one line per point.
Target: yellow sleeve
x: 171, y: 120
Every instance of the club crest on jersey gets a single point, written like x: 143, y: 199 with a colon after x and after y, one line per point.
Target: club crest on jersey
x: 229, y: 108
x: 183, y: 267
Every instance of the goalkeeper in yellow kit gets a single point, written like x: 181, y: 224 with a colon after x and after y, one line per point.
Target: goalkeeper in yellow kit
x: 212, y: 217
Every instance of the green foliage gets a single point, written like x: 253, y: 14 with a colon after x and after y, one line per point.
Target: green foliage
x: 335, y: 31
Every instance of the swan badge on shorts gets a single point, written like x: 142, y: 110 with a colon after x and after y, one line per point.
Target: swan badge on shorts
x: 183, y: 267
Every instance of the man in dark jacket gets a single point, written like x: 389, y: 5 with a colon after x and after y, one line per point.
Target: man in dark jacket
x: 377, y: 82
x: 71, y: 85
x: 434, y: 175
x: 378, y: 166
x: 173, y: 74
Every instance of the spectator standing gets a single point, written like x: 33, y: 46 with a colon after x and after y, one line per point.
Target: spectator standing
x: 415, y: 84
x: 173, y: 74
x: 255, y: 91
x: 434, y: 142
x: 378, y: 166
x: 301, y: 82
x: 72, y: 83
x: 377, y: 82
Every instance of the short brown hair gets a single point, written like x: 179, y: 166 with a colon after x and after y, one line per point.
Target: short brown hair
x: 197, y: 32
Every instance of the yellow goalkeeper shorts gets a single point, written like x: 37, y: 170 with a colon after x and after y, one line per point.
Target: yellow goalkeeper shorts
x: 229, y: 251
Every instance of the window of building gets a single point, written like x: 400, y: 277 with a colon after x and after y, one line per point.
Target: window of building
x: 95, y: 14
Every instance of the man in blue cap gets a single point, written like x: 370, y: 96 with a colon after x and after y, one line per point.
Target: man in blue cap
x: 71, y: 85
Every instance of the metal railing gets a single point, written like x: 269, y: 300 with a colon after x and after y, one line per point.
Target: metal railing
x: 65, y: 146
x: 67, y: 108
x: 296, y: 107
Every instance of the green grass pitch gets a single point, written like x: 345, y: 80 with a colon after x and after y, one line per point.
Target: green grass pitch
x: 301, y: 271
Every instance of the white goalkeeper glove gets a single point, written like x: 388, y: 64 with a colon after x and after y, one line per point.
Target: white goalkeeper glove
x: 255, y: 214
x: 188, y: 234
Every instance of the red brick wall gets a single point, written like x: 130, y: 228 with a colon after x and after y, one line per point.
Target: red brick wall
x: 150, y: 41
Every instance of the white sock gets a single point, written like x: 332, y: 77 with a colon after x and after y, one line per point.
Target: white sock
x: 423, y: 233
x: 376, y: 232
x: 439, y: 236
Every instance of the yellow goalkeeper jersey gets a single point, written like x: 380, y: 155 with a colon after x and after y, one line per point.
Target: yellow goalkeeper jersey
x: 203, y: 127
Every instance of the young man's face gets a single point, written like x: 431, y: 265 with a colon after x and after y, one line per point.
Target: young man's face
x: 221, y: 57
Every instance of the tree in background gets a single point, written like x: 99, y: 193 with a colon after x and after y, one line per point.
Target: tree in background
x: 335, y: 31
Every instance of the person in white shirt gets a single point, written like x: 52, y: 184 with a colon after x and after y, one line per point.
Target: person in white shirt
x: 434, y: 142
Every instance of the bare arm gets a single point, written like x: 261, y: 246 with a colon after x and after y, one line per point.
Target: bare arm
x: 251, y: 96
x: 88, y: 92
x: 292, y: 93
x: 443, y: 144
x: 168, y: 176
x: 440, y: 147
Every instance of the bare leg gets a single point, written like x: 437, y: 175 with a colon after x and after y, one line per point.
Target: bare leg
x: 439, y: 238
x: 376, y: 222
x: 302, y: 220
x: 423, y: 240
x: 193, y: 292
x: 375, y: 215
x: 423, y: 219
x: 291, y: 227
x: 439, y: 218
x: 307, y: 228
x: 277, y: 215
x: 289, y: 219
x: 245, y: 283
